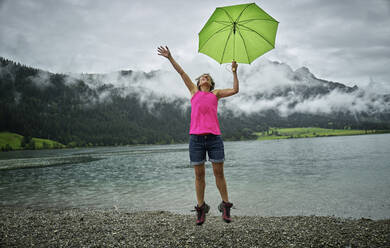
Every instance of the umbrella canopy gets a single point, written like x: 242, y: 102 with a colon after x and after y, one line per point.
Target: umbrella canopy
x: 239, y: 32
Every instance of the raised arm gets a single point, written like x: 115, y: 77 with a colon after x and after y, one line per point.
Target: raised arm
x: 229, y: 92
x: 167, y: 54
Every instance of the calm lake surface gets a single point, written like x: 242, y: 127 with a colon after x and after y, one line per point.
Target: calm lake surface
x: 342, y: 176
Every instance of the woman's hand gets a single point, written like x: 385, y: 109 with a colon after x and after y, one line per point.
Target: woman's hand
x: 164, y: 52
x: 234, y: 66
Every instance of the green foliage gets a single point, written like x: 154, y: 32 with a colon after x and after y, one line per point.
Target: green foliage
x: 6, y: 148
x: 45, y: 144
x: 12, y: 141
x: 27, y: 142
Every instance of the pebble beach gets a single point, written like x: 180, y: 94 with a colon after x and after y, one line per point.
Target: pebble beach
x: 32, y: 227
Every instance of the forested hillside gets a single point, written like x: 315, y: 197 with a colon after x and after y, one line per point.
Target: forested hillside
x: 73, y: 111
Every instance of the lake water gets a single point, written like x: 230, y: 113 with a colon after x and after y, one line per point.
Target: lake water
x: 340, y: 176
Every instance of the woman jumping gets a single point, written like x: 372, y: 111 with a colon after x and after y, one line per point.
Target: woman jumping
x: 205, y: 135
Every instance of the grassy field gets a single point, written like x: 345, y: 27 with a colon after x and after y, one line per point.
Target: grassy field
x: 309, y: 132
x: 13, y: 141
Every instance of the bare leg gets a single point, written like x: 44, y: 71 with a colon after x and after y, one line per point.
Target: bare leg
x: 220, y: 181
x: 200, y: 183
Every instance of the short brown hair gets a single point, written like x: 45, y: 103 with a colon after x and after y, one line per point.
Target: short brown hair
x: 211, y: 79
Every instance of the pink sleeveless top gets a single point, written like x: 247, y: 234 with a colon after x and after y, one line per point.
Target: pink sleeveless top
x: 204, y: 117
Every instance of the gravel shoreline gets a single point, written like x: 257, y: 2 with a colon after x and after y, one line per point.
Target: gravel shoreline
x: 28, y: 227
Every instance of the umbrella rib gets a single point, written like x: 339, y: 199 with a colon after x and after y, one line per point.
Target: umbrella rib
x: 243, y: 41
x: 222, y: 29
x: 257, y: 34
x: 238, y: 18
x: 223, y: 22
x: 249, y: 20
x: 231, y: 19
x: 224, y: 49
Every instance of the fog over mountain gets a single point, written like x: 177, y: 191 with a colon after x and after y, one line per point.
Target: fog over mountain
x: 132, y: 107
x: 266, y: 86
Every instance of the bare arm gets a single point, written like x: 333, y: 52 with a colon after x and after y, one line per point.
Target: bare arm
x: 167, y: 54
x: 229, y: 92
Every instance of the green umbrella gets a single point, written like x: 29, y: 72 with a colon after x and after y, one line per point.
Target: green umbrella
x: 239, y: 32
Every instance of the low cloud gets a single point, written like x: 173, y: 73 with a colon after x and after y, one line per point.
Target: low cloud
x: 41, y: 79
x: 338, y: 101
x: 275, y: 86
x: 265, y: 85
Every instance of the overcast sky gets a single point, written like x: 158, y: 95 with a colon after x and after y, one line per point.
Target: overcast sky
x: 346, y: 41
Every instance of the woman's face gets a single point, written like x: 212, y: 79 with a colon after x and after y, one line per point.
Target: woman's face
x: 205, y: 79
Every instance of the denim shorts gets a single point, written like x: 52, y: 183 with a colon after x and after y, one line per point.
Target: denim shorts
x: 210, y: 143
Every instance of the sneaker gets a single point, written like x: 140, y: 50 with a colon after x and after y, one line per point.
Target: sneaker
x: 201, y: 212
x: 224, y: 208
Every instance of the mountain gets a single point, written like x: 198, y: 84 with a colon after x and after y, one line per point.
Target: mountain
x: 133, y: 107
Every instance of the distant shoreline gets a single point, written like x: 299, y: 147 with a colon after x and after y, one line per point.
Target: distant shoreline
x: 311, y: 132
x: 26, y: 227
x: 271, y: 134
